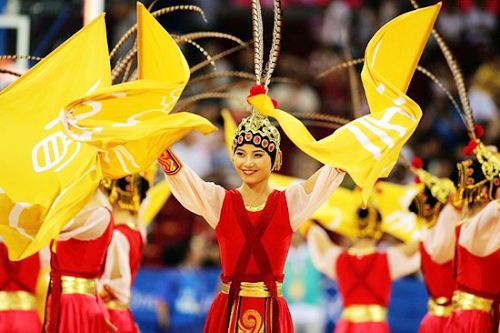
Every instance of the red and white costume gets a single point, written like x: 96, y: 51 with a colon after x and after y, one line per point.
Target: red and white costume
x: 121, y: 267
x: 437, y: 251
x: 18, y: 282
x: 477, y: 266
x: 253, y: 247
x: 77, y: 261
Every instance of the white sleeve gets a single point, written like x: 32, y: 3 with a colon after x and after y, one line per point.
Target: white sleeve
x: 324, y: 253
x: 117, y: 275
x: 87, y: 225
x: 200, y: 197
x: 439, y: 241
x: 480, y: 235
x: 301, y: 205
x: 400, y: 264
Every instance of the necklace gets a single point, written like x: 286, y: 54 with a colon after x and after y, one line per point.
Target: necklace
x: 255, y: 208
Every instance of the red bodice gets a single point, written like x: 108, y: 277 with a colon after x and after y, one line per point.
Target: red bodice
x: 478, y: 275
x: 136, y: 243
x: 438, y: 277
x: 18, y: 275
x: 275, y: 238
x: 364, y: 279
x: 81, y: 258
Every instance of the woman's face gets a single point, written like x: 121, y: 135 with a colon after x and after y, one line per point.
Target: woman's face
x: 253, y: 164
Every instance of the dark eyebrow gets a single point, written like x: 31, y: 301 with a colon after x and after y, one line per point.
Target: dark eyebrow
x: 258, y: 151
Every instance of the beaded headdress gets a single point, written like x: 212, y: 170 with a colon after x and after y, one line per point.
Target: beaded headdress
x: 257, y: 129
x: 369, y: 223
x: 129, y: 191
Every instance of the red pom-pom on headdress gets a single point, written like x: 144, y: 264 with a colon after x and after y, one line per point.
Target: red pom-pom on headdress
x: 275, y: 103
x: 257, y: 89
x: 479, y: 130
x: 469, y: 149
x: 417, y: 162
x: 417, y: 180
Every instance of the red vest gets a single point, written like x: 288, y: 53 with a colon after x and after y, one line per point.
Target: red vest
x: 438, y: 277
x: 364, y: 279
x: 18, y: 275
x: 81, y: 258
x: 273, y: 235
x: 478, y: 275
x: 136, y: 243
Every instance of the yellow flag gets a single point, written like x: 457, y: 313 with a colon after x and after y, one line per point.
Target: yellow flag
x: 45, y: 177
x: 154, y: 201
x: 368, y: 147
x: 130, y: 124
x: 393, y: 201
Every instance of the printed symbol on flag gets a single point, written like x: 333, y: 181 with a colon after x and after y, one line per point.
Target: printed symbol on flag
x: 53, y: 151
x: 379, y: 129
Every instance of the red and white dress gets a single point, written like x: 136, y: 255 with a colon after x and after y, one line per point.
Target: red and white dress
x: 477, y: 273
x: 365, y: 285
x: 77, y: 261
x: 364, y: 278
x: 437, y: 251
x: 122, y: 264
x: 253, y: 247
x: 18, y: 281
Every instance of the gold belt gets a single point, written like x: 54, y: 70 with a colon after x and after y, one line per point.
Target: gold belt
x: 466, y: 301
x: 115, y: 305
x: 77, y: 285
x: 437, y: 307
x: 16, y: 300
x: 253, y: 289
x: 365, y: 313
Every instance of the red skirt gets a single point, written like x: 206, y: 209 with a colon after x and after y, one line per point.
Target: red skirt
x: 248, y: 314
x: 470, y: 321
x: 433, y: 324
x: 81, y: 313
x: 20, y: 321
x: 344, y: 326
x: 123, y: 320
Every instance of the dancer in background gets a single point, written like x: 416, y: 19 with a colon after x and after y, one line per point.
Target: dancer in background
x: 18, y: 284
x: 77, y: 261
x: 437, y: 248
x: 125, y: 250
x: 364, y: 273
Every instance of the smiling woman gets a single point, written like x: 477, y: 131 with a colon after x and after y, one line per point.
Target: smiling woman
x: 253, y: 224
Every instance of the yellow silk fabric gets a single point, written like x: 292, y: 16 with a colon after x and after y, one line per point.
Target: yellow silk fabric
x: 368, y: 147
x: 154, y: 201
x: 130, y: 124
x: 338, y: 213
x: 52, y: 116
x: 45, y: 177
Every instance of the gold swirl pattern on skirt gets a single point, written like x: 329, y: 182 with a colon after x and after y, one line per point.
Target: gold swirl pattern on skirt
x: 250, y: 322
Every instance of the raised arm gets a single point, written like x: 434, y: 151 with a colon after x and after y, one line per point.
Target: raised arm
x: 116, y: 279
x: 200, y: 197
x: 403, y: 260
x: 439, y: 241
x: 324, y: 253
x: 305, y: 198
x: 480, y: 235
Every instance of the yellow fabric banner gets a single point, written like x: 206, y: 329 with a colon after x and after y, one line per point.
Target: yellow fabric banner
x: 368, y: 147
x: 154, y: 201
x: 130, y: 124
x: 45, y: 177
